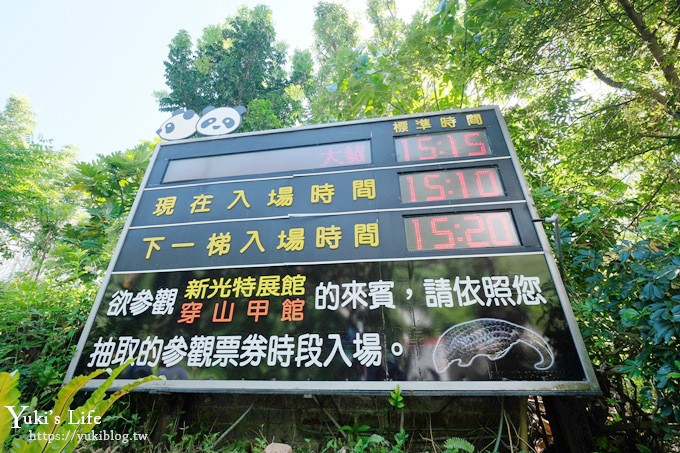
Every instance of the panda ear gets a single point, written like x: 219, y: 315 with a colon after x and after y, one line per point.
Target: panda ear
x: 240, y: 109
x: 177, y: 112
x: 207, y: 109
x: 188, y: 114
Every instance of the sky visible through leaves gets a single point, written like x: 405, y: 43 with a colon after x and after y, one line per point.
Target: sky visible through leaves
x: 90, y: 69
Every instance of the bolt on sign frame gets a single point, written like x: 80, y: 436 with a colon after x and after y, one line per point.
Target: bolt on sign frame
x: 341, y: 258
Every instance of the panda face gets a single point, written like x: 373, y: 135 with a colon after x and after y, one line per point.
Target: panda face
x: 219, y: 121
x: 181, y: 124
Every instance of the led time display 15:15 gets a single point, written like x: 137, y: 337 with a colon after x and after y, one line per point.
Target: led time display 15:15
x: 443, y: 145
x: 470, y: 230
x: 440, y: 185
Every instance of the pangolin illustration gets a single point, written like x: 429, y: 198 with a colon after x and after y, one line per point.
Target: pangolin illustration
x: 488, y: 337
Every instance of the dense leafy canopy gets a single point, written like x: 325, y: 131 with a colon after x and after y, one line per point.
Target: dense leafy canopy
x: 237, y: 63
x: 34, y: 202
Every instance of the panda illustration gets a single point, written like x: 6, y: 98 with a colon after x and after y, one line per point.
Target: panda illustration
x: 220, y: 121
x: 181, y: 124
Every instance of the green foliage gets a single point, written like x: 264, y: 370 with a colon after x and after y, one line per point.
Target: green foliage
x: 371, y: 443
x: 364, y: 442
x: 334, y: 30
x: 302, y: 71
x: 114, y: 179
x: 34, y: 200
x: 237, y: 63
x: 108, y: 187
x: 63, y: 426
x: 44, y: 308
x: 396, y: 399
x: 400, y: 69
x: 17, y: 121
x: 41, y: 323
x: 360, y: 437
x: 189, y: 443
x: 261, y: 116
x: 355, y: 430
x: 400, y: 439
x: 631, y: 316
x: 388, y: 27
x: 627, y: 126
x: 457, y: 445
x: 9, y: 398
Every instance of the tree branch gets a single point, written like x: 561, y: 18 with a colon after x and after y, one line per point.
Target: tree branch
x: 676, y: 41
x: 668, y: 22
x: 652, y: 43
x: 630, y: 156
x: 655, y: 95
x: 663, y: 100
x: 606, y: 80
x: 602, y: 109
x: 661, y: 136
x: 649, y: 202
x: 615, y: 19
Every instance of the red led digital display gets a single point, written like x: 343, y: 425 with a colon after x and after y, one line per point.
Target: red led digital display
x: 445, y: 145
x: 443, y: 185
x: 470, y: 230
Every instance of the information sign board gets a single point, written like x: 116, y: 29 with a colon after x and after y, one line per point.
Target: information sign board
x: 350, y: 257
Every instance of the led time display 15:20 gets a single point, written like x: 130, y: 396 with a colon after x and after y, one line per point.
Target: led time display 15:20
x: 470, y: 230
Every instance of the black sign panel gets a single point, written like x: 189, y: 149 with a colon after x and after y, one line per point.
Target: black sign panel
x: 349, y: 257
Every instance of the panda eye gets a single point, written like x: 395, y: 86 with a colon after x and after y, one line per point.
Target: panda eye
x: 228, y: 122
x: 208, y: 122
x: 169, y: 128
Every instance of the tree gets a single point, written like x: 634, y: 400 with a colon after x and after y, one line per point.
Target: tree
x: 17, y: 121
x: 34, y: 201
x: 389, y: 28
x: 108, y: 187
x: 550, y: 54
x: 394, y: 72
x: 334, y: 30
x: 237, y: 63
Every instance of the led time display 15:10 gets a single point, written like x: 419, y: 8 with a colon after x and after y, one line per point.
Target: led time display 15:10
x: 469, y: 230
x: 443, y: 145
x: 440, y: 185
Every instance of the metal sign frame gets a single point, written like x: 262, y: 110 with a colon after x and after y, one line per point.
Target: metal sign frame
x: 517, y: 196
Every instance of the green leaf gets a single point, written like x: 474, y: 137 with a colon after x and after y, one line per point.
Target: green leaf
x: 651, y: 292
x: 629, y: 316
x: 9, y: 397
x: 62, y: 404
x: 457, y: 444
